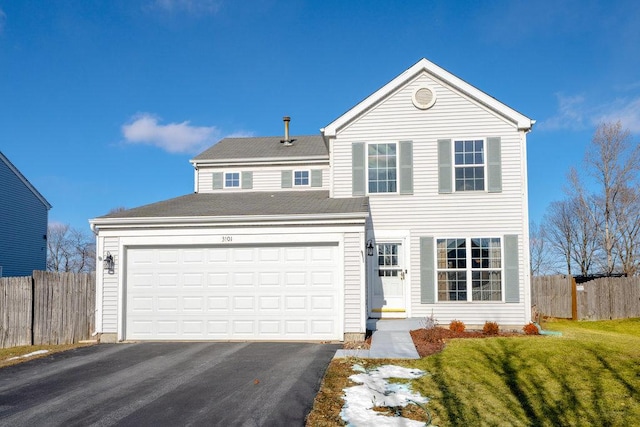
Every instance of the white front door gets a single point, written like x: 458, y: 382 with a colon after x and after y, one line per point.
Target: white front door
x: 387, y: 284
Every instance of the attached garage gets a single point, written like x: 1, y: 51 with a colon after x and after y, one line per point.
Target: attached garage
x: 266, y: 292
x: 239, y: 266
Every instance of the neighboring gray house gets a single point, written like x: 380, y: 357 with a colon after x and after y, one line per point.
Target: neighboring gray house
x: 23, y: 223
x: 412, y: 203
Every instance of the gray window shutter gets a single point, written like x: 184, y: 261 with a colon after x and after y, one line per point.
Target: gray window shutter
x: 316, y: 178
x: 247, y: 180
x: 406, y: 167
x: 358, y: 172
x: 511, y: 271
x: 445, y: 166
x: 217, y: 180
x: 494, y: 165
x: 427, y: 271
x: 287, y: 181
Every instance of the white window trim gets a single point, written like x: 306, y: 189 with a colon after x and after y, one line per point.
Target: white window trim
x: 293, y: 178
x: 469, y: 270
x: 366, y: 158
x: 224, y: 180
x: 454, y: 166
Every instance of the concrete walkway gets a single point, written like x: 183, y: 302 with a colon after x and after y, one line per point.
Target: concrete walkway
x: 390, y: 340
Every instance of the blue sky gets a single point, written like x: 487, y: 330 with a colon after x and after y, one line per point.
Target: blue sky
x: 102, y: 103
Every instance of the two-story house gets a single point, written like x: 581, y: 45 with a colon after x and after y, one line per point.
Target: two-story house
x: 413, y: 203
x: 24, y: 215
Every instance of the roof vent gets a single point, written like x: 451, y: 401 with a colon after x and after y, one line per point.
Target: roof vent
x: 424, y: 97
x: 287, y: 141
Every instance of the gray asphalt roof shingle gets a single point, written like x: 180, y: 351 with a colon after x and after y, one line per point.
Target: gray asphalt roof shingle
x: 248, y: 204
x: 265, y: 148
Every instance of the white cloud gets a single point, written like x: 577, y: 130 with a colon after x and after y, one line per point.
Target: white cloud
x: 625, y: 110
x: 182, y: 137
x: 576, y: 113
x: 240, y: 134
x: 194, y: 7
x: 570, y: 115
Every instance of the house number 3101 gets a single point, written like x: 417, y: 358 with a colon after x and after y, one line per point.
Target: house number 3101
x: 227, y: 239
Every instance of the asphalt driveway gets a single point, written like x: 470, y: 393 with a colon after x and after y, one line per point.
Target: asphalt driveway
x: 162, y: 384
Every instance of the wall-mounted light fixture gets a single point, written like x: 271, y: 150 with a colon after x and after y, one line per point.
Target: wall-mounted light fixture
x: 370, y: 248
x: 109, y: 263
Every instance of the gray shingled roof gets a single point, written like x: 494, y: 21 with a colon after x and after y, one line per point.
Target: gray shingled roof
x: 248, y: 204
x: 265, y: 147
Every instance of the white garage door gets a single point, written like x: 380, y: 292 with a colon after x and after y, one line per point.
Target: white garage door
x: 235, y: 293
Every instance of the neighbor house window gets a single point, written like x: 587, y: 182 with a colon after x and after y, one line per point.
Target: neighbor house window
x: 469, y: 165
x: 469, y: 269
x: 300, y: 178
x: 382, y: 161
x: 232, y: 180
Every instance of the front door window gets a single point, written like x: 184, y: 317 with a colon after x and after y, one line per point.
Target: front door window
x: 387, y: 280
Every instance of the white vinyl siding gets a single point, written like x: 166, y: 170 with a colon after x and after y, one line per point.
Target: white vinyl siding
x: 110, y: 286
x: 354, y: 284
x: 427, y: 212
x: 266, y: 178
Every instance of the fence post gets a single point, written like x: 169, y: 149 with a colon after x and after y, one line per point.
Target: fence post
x: 574, y: 299
x: 33, y: 305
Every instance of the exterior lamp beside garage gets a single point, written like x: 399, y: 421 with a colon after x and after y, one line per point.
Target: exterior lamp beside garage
x: 370, y: 248
x: 109, y: 263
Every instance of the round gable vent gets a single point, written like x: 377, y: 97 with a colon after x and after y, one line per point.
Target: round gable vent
x: 424, y: 97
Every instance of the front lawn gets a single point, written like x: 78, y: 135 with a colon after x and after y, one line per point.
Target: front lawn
x: 589, y: 376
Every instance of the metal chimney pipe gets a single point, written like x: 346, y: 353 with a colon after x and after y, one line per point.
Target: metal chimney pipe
x: 286, y: 120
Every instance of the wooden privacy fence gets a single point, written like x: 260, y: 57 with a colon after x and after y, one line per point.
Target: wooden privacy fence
x: 47, y: 308
x: 598, y: 299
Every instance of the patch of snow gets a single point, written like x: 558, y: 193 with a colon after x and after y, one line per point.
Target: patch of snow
x: 33, y: 353
x: 375, y: 390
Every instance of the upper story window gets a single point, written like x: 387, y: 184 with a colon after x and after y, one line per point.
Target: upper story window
x: 300, y: 178
x: 469, y: 269
x: 382, y: 168
x: 469, y: 165
x: 232, y: 180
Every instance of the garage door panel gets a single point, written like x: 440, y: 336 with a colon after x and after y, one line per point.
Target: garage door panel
x: 322, y: 302
x: 243, y: 279
x: 168, y: 257
x: 218, y: 255
x: 217, y: 304
x: 254, y: 293
x: 322, y: 279
x: 193, y: 328
x: 218, y: 279
x: 269, y: 254
x: 167, y: 280
x: 269, y: 279
x: 243, y: 255
x: 269, y: 303
x: 295, y: 302
x: 295, y: 278
x: 167, y: 304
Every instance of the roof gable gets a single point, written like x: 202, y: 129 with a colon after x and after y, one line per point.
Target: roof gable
x: 264, y: 149
x: 24, y: 180
x: 438, y: 73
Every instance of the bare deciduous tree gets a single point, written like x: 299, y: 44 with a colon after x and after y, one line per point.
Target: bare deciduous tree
x: 560, y: 226
x: 614, y: 163
x: 69, y: 249
x: 541, y: 261
x: 627, y: 222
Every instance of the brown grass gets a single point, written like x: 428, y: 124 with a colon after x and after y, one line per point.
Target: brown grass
x: 329, y: 400
x: 8, y: 353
